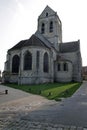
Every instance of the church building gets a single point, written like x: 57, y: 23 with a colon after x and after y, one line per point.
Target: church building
x: 44, y: 57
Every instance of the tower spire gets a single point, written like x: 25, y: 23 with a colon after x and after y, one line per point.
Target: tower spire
x: 50, y: 26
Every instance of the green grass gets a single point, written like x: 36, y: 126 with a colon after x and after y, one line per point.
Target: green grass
x: 50, y: 90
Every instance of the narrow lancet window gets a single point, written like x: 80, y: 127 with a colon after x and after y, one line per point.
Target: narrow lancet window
x: 15, y: 64
x: 37, y: 59
x: 58, y: 67
x: 46, y: 63
x: 28, y: 61
x: 51, y: 27
x: 43, y: 28
x: 65, y: 67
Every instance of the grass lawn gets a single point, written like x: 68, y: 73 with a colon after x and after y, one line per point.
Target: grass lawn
x: 51, y: 91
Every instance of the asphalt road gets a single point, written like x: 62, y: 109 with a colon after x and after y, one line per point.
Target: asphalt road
x: 71, y: 111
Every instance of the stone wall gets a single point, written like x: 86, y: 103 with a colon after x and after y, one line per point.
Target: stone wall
x: 34, y: 76
x: 75, y: 58
x: 64, y: 76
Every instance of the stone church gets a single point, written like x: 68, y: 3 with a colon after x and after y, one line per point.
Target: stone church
x: 44, y: 57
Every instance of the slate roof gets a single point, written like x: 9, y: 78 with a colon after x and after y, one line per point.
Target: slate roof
x: 32, y: 41
x: 38, y: 40
x: 69, y: 47
x: 18, y: 45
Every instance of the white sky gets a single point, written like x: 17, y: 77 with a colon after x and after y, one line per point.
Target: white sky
x: 18, y: 21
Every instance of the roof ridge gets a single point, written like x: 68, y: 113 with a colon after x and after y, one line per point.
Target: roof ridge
x: 42, y: 38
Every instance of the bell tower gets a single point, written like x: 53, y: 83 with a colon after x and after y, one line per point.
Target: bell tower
x: 50, y: 26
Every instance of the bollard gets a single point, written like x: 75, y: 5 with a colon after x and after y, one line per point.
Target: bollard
x: 49, y: 94
x: 40, y: 92
x: 6, y: 91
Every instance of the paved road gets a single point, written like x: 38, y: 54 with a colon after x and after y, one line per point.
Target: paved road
x: 16, y: 111
x: 13, y: 94
x: 71, y: 111
x: 17, y: 100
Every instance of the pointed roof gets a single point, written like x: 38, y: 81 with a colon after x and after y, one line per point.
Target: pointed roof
x: 43, y: 39
x: 47, y: 10
x: 34, y: 40
x: 18, y: 45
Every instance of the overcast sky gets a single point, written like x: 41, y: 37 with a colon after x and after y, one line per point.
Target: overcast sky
x: 18, y: 21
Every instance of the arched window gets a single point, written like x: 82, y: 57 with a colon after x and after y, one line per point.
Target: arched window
x: 45, y: 63
x: 15, y: 64
x: 65, y: 67
x: 51, y: 27
x: 28, y: 61
x: 58, y: 67
x: 37, y: 59
x: 43, y: 28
